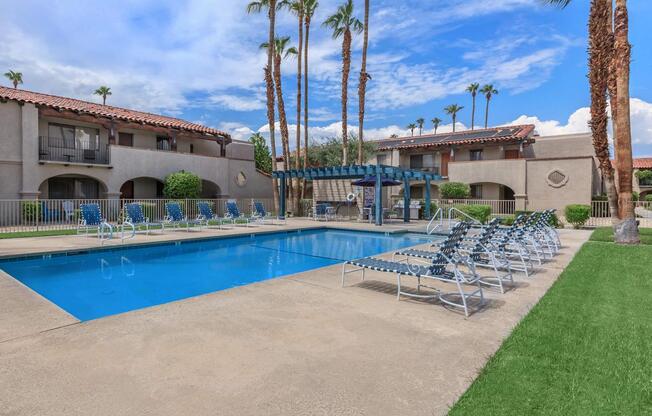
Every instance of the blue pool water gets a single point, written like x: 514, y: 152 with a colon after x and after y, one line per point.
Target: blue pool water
x: 100, y: 283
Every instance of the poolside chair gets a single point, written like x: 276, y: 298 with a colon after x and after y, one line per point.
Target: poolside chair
x: 91, y: 219
x: 261, y: 215
x: 48, y: 213
x: 134, y: 218
x: 445, y: 267
x: 233, y: 214
x: 175, y: 217
x: 323, y: 212
x: 206, y: 215
x: 68, y: 210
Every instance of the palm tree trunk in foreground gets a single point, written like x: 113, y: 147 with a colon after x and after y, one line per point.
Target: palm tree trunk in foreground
x: 362, y: 86
x: 297, y: 163
x: 305, y: 102
x: 346, y: 67
x: 626, y: 230
x: 269, y: 84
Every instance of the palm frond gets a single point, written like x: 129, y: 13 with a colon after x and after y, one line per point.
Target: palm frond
x: 558, y: 3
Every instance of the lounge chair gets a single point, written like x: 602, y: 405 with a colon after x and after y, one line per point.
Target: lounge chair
x: 91, y: 219
x: 323, y: 212
x: 444, y: 268
x: 261, y: 215
x: 233, y: 214
x: 49, y: 214
x: 175, y: 217
x: 134, y: 218
x: 206, y: 215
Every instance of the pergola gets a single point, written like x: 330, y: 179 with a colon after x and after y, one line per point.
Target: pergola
x: 360, y: 171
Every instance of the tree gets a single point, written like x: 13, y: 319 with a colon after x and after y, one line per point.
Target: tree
x: 257, y: 7
x: 452, y: 111
x: 309, y: 7
x: 362, y: 83
x: 420, y: 122
x: 182, y: 185
x: 15, y: 77
x: 473, y: 90
x: 329, y: 152
x: 435, y: 123
x: 342, y: 23
x: 488, y: 90
x: 411, y: 127
x: 262, y: 155
x: 609, y: 66
x: 103, y: 92
x: 281, y: 51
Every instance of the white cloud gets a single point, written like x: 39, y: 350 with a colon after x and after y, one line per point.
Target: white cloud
x: 237, y: 103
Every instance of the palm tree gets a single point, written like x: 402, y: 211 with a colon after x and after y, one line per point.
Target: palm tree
x: 342, y: 23
x: 282, y: 51
x: 435, y: 123
x: 488, y: 90
x: 362, y: 84
x: 103, y: 92
x: 309, y: 7
x: 609, y: 67
x: 452, y: 110
x: 257, y: 7
x: 15, y: 77
x: 420, y: 122
x: 411, y: 127
x: 473, y: 89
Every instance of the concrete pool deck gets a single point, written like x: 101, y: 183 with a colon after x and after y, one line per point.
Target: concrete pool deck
x: 295, y: 345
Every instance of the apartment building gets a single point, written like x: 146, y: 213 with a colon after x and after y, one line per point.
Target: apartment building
x: 63, y: 148
x: 501, y: 163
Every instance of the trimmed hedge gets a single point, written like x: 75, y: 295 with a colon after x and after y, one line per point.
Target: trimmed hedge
x: 31, y: 210
x: 648, y: 198
x: 454, y: 190
x: 577, y: 214
x: 182, y: 185
x: 479, y: 212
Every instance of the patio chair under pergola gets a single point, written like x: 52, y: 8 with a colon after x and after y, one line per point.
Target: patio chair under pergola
x: 380, y: 172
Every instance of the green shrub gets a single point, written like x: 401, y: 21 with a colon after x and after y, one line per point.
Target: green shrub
x: 635, y: 196
x: 455, y: 190
x: 577, y: 214
x: 648, y: 198
x: 479, y: 212
x: 507, y: 221
x: 31, y: 210
x: 182, y: 185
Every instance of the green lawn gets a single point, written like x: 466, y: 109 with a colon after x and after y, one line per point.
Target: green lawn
x: 607, y: 234
x: 584, y: 349
x: 48, y: 233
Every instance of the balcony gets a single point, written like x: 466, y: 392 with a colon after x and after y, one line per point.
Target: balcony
x: 429, y: 169
x: 56, y: 149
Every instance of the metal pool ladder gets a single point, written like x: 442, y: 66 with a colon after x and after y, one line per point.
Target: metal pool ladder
x: 436, y: 222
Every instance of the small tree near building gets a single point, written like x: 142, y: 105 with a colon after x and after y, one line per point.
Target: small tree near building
x: 182, y: 185
x: 262, y: 154
x: 455, y: 190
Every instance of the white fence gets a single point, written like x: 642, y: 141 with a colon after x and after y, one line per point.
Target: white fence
x: 600, y: 216
x: 60, y: 214
x: 498, y: 207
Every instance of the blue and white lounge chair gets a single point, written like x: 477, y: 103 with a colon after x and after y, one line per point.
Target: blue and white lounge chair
x: 444, y: 268
x: 175, y: 217
x: 134, y: 218
x: 233, y: 214
x: 91, y: 219
x: 206, y: 215
x: 261, y: 215
x: 323, y: 212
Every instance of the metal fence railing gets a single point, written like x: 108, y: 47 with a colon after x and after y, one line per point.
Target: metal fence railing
x: 498, y: 207
x: 600, y: 216
x: 64, y: 214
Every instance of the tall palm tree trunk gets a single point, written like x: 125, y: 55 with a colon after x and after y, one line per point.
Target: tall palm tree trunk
x: 269, y: 84
x: 626, y: 231
x: 486, y: 114
x: 473, y: 112
x: 283, y: 121
x: 362, y: 86
x: 305, y: 101
x: 454, y: 117
x: 297, y: 162
x: 346, y: 68
x: 599, y: 59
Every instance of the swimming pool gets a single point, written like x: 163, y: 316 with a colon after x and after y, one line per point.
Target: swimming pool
x: 106, y: 282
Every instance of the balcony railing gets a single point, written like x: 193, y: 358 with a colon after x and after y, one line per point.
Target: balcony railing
x: 431, y: 169
x: 57, y: 149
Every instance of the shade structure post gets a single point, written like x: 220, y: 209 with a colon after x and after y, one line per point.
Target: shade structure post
x: 282, y: 202
x: 406, y: 200
x: 427, y: 207
x: 378, y: 197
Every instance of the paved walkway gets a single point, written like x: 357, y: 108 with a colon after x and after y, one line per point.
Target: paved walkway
x: 299, y: 345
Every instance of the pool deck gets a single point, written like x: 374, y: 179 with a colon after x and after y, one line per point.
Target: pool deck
x: 297, y: 345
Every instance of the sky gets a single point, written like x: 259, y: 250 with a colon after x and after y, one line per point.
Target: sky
x: 200, y: 60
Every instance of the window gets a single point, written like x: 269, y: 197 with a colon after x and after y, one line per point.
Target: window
x: 126, y: 139
x: 475, y: 154
x: 163, y: 143
x: 73, y: 188
x: 476, y: 191
x: 72, y: 137
x: 416, y: 161
x: 192, y: 148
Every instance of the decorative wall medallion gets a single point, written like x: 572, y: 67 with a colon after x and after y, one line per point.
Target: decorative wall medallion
x: 556, y: 178
x: 241, y: 179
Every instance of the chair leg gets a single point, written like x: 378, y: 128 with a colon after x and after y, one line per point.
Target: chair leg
x: 398, y: 291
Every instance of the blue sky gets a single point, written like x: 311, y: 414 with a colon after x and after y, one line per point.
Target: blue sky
x: 199, y: 60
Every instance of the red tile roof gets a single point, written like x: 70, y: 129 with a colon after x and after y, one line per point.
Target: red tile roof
x: 98, y: 110
x: 492, y: 135
x: 643, y: 163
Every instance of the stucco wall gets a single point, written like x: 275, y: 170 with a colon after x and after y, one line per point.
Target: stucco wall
x: 567, y: 145
x: 10, y: 136
x: 240, y: 150
x: 577, y: 189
